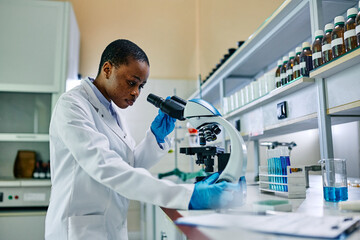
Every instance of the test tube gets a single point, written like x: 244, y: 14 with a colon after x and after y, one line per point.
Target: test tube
x: 268, y: 153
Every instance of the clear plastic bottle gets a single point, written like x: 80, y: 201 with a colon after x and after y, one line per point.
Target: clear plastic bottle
x: 337, y: 37
x: 296, y: 67
x: 350, y: 32
x: 289, y: 67
x: 357, y: 20
x: 316, y: 49
x: 283, y: 71
x: 326, y: 43
x: 306, y: 59
x: 277, y: 74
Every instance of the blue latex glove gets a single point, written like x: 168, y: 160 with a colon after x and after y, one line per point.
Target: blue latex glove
x: 162, y: 126
x: 208, y: 195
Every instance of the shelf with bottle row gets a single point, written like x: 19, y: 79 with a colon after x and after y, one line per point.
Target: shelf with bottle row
x: 284, y: 27
x: 339, y: 64
x: 23, y: 137
x: 294, y: 186
x: 275, y: 94
x: 288, y: 26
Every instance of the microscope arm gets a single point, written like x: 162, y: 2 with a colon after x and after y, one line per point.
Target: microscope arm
x: 237, y: 163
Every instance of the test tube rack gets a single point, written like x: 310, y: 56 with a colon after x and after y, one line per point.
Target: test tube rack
x: 292, y: 185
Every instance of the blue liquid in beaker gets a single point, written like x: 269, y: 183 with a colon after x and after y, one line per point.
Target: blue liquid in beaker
x: 334, y: 194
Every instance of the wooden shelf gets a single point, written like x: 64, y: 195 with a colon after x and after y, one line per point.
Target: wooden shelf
x: 337, y: 65
x: 23, y: 137
x: 273, y: 95
x: 350, y: 109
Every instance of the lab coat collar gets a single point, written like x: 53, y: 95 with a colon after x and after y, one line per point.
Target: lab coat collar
x: 106, y: 115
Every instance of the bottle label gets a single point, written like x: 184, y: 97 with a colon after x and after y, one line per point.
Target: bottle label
x: 296, y: 68
x: 306, y: 65
x: 326, y: 47
x: 336, y: 42
x: 316, y: 55
x: 283, y: 75
x: 349, y: 33
x: 358, y: 29
x: 289, y: 72
x: 277, y: 79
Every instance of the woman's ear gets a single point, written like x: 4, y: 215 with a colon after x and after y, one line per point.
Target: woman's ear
x: 106, y: 69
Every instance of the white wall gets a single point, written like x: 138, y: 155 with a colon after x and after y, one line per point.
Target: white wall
x: 346, y: 139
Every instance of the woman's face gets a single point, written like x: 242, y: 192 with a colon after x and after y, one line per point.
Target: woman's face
x: 123, y: 84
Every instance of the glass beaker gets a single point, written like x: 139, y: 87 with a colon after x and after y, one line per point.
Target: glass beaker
x: 334, y: 179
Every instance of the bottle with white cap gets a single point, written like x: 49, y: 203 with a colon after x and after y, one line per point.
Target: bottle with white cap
x: 283, y: 76
x: 326, y: 43
x: 289, y: 67
x: 357, y: 29
x: 277, y: 74
x: 306, y: 59
x: 316, y: 49
x: 296, y: 67
x: 350, y: 32
x: 337, y: 37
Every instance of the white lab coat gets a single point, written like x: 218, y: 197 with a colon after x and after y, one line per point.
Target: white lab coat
x: 96, y: 168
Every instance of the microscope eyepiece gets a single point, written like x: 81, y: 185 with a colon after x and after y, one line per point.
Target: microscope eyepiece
x: 174, y: 107
x: 155, y: 100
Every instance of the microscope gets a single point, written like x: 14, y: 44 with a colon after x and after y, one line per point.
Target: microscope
x: 206, y: 119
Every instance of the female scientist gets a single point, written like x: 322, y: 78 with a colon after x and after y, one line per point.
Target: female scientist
x: 95, y: 165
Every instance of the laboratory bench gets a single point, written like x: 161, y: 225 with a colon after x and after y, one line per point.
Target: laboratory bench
x: 312, y: 205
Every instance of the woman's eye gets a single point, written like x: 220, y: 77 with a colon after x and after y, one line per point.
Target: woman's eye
x: 132, y: 83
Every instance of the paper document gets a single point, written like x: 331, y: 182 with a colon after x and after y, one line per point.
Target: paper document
x: 293, y: 224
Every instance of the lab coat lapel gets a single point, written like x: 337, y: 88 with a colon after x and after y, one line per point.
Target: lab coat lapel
x: 106, y: 116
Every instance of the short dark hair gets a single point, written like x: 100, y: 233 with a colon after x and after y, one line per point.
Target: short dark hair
x: 119, y: 51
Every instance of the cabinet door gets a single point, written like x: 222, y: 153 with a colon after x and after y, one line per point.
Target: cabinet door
x: 25, y: 113
x: 31, y: 42
x: 22, y: 225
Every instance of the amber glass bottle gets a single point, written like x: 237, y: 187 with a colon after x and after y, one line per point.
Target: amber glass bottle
x: 337, y: 37
x: 296, y: 67
x: 306, y: 59
x: 289, y: 67
x: 316, y: 49
x: 277, y: 74
x: 326, y: 43
x: 283, y: 70
x: 357, y: 20
x: 350, y: 32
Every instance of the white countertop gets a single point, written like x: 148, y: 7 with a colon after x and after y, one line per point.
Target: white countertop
x: 312, y: 205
